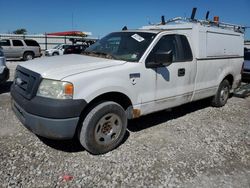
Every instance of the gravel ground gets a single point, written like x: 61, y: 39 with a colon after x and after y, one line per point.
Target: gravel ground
x: 194, y: 145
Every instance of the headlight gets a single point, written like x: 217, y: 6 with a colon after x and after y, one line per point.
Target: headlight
x: 55, y: 89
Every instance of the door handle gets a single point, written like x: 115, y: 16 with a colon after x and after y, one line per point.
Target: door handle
x: 181, y: 72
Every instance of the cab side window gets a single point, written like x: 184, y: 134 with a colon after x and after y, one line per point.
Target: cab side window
x: 185, y: 49
x: 5, y: 42
x: 17, y: 43
x: 179, y: 46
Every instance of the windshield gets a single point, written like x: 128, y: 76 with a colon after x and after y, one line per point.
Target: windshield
x: 57, y: 46
x: 127, y: 46
x: 247, y: 55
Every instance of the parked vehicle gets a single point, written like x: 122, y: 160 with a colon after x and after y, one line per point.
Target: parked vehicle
x: 126, y: 75
x: 246, y: 67
x: 4, y: 71
x: 26, y: 49
x: 57, y: 50
x: 75, y: 49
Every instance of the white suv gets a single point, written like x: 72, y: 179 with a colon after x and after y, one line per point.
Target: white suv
x: 126, y: 75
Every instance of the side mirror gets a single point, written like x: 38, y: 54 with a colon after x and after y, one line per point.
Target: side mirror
x: 160, y: 59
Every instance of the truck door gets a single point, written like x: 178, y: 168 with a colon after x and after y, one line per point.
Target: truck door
x: 18, y: 48
x: 175, y: 82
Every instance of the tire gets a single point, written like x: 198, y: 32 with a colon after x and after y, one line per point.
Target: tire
x: 222, y: 94
x: 55, y: 54
x: 103, y: 128
x: 28, y: 56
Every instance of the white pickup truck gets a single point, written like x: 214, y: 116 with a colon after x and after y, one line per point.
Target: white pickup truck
x: 126, y: 75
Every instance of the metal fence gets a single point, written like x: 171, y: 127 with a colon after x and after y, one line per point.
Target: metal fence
x: 46, y: 41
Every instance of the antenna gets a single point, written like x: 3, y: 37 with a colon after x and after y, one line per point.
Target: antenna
x: 163, y: 20
x: 193, y: 13
x: 207, y: 15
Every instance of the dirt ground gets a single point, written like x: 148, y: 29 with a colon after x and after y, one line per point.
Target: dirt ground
x: 193, y: 145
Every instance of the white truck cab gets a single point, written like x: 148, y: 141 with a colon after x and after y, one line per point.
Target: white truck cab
x: 126, y: 75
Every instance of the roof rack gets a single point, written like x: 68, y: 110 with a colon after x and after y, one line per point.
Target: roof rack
x: 206, y: 22
x: 223, y: 25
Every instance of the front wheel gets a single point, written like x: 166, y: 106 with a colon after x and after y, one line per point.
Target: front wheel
x: 220, y: 99
x: 103, y: 128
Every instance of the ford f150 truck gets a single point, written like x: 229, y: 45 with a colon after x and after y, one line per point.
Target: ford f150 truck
x: 126, y: 75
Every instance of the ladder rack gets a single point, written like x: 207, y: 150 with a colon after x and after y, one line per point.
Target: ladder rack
x: 234, y: 27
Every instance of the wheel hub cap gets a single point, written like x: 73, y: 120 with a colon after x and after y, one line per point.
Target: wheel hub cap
x: 108, y: 129
x: 224, y: 94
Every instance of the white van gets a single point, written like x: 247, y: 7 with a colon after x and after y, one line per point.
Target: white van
x: 126, y: 75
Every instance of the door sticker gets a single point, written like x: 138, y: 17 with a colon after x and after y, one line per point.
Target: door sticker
x: 137, y: 37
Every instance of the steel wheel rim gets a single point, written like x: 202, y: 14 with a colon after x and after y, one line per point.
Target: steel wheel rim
x: 108, y: 129
x: 29, y: 57
x: 224, y: 94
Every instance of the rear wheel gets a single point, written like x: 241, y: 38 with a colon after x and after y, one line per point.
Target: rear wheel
x: 103, y: 128
x: 28, y: 56
x: 220, y: 99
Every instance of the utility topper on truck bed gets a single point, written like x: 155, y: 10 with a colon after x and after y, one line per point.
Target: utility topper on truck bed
x: 126, y: 75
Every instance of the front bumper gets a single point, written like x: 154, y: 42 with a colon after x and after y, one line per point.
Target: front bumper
x: 50, y: 118
x: 47, y: 53
x: 4, y: 75
x: 46, y: 127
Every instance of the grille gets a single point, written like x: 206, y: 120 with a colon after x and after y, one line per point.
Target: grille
x: 26, y: 82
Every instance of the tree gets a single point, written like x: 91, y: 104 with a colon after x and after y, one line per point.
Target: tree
x: 21, y: 31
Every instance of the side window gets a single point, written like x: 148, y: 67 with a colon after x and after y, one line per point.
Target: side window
x: 17, y: 43
x: 31, y: 43
x: 5, y: 42
x: 185, y: 50
x: 165, y: 44
x: 178, y: 44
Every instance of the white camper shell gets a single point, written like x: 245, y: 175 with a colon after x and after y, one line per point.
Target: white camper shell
x: 208, y: 41
x: 126, y: 75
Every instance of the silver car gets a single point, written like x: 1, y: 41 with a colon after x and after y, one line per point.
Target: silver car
x: 4, y: 71
x: 16, y: 48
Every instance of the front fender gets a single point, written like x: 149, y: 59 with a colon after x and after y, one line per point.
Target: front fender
x: 89, y: 90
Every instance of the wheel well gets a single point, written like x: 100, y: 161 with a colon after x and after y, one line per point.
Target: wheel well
x: 230, y: 78
x: 29, y: 52
x: 117, y: 97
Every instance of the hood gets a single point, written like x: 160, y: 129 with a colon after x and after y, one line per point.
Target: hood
x: 59, y: 67
x: 51, y: 50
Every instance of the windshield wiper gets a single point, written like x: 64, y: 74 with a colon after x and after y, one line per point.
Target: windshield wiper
x: 106, y: 55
